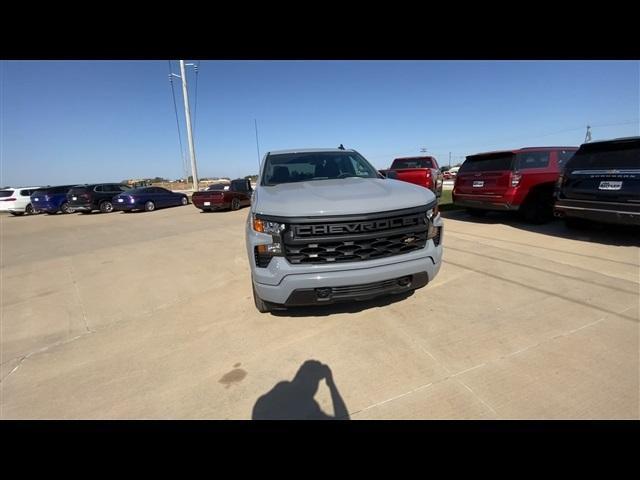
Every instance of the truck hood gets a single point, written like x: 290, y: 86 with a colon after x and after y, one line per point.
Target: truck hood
x: 347, y: 196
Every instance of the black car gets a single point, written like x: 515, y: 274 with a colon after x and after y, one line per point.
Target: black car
x: 97, y: 196
x: 601, y: 183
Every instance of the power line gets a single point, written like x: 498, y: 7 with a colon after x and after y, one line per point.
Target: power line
x: 415, y: 150
x: 175, y: 109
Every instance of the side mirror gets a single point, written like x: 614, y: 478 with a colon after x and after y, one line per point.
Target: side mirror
x: 391, y: 174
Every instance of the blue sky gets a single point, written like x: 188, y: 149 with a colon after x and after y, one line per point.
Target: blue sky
x: 86, y: 121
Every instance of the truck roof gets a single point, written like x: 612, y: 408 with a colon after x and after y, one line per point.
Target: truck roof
x: 309, y: 150
x: 429, y: 157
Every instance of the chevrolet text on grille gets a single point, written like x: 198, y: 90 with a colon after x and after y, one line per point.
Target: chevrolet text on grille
x: 370, y: 226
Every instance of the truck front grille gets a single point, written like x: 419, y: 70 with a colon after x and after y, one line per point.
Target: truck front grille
x: 353, y: 241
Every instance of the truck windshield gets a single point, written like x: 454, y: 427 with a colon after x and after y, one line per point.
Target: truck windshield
x: 400, y: 163
x: 310, y: 166
x: 487, y: 163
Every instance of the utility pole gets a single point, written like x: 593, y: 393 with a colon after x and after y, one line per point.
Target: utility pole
x: 587, y: 137
x: 187, y: 112
x: 257, y: 144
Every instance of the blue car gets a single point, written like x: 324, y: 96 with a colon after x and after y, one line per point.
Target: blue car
x: 51, y: 200
x: 148, y: 199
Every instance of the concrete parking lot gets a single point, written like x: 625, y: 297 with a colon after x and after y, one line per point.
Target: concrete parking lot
x: 150, y: 315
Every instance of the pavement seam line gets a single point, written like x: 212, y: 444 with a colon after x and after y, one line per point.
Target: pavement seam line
x: 475, y: 235
x: 78, y: 296
x: 502, y: 357
x: 42, y: 350
x: 542, y: 270
x: 546, y: 292
x: 597, y: 272
x: 478, y: 397
x: 394, y: 398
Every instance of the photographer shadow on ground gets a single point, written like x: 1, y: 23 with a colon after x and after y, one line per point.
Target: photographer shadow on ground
x: 294, y: 400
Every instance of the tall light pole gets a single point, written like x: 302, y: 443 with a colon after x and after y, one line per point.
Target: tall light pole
x: 257, y: 144
x: 187, y: 113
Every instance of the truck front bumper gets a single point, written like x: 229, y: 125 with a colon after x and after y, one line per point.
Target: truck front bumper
x: 343, y: 285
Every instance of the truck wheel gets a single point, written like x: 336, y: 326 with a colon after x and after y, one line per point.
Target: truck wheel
x: 235, y: 204
x: 537, y: 209
x: 64, y: 208
x: 475, y: 212
x: 106, y: 207
x: 261, y: 305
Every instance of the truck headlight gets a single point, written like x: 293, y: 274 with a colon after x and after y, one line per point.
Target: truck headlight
x: 264, y: 226
x: 265, y: 252
x: 432, y: 230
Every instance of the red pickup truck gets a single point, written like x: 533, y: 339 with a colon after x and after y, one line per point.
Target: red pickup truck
x: 423, y: 171
x: 217, y: 197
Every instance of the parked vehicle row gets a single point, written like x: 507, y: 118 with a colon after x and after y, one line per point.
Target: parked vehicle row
x: 87, y: 198
x: 598, y: 181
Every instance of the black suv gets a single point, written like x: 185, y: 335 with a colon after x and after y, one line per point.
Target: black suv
x: 601, y: 182
x: 97, y: 196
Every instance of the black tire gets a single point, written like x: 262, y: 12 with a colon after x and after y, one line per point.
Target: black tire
x: 575, y: 223
x: 235, y: 203
x: 476, y: 212
x: 537, y: 208
x: 184, y: 201
x: 64, y: 208
x: 261, y: 305
x: 149, y: 206
x: 106, y: 207
x: 29, y: 210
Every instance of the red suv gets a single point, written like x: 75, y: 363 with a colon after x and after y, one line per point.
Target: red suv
x: 520, y: 180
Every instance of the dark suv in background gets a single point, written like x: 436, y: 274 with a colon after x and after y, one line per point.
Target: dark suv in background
x: 97, y: 196
x: 51, y: 200
x: 601, y: 183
